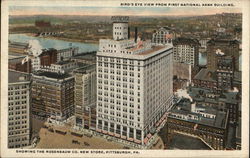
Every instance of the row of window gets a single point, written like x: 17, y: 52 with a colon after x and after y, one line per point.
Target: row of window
x: 112, y: 106
x: 18, y: 112
x: 119, y: 72
x: 117, y: 101
x: 17, y: 92
x: 17, y: 123
x: 119, y: 120
x: 17, y: 127
x: 17, y: 87
x: 118, y: 60
x: 17, y: 97
x: 17, y: 118
x: 17, y: 132
x: 118, y: 90
x: 112, y: 95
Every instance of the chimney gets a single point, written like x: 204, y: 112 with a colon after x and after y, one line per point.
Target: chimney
x: 128, y: 32
x: 135, y: 34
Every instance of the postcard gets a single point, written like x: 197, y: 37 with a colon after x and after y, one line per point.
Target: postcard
x: 154, y: 78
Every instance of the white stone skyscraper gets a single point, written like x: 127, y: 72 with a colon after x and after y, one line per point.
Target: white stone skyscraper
x: 134, y: 84
x: 19, y: 126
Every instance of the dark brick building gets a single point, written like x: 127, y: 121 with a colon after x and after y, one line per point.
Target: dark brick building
x: 16, y: 64
x: 48, y: 57
x: 227, y: 46
x: 205, y: 123
x: 53, y: 95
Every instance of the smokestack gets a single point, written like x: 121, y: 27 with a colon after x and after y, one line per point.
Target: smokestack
x: 135, y: 34
x: 128, y: 32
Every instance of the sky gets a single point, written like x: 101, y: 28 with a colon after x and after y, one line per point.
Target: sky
x: 107, y: 11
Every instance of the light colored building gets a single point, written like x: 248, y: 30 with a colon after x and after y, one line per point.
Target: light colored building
x: 186, y: 51
x: 162, y: 36
x: 19, y: 126
x: 203, y: 43
x: 134, y: 85
x: 63, y: 54
x: 85, y: 97
x: 61, y: 67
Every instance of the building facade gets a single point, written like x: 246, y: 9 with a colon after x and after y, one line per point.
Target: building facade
x: 53, y: 95
x: 186, y: 51
x: 227, y: 47
x: 19, y: 125
x: 16, y: 63
x: 223, y: 101
x: 199, y: 121
x: 48, y: 57
x: 162, y: 36
x: 65, y: 54
x: 85, y: 97
x: 206, y: 78
x: 18, y: 47
x: 134, y: 84
x: 225, y: 72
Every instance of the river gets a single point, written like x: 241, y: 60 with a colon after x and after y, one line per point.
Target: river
x: 54, y: 43
x: 83, y: 47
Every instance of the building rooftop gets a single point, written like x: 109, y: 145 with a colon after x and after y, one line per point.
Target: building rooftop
x: 206, y: 75
x: 53, y: 75
x: 17, y: 76
x: 16, y: 57
x: 18, y: 44
x: 221, y: 40
x: 186, y: 41
x: 64, y: 62
x: 47, y: 51
x: 85, y: 68
x: 229, y: 97
x: 184, y: 108
x: 153, y: 49
x: 86, y: 56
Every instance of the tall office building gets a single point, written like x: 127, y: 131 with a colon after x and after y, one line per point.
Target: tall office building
x: 85, y: 97
x: 134, y: 84
x: 53, y: 95
x: 224, y: 46
x: 19, y: 128
x: 186, y: 51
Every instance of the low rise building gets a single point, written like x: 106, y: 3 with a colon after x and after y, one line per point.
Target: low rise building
x: 61, y: 67
x: 65, y: 54
x: 16, y: 63
x: 195, y: 120
x: 221, y: 101
x: 206, y: 78
x: 18, y: 47
x: 86, y: 58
